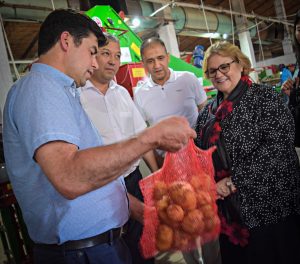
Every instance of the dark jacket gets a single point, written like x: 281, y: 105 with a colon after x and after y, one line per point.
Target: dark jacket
x: 259, y: 139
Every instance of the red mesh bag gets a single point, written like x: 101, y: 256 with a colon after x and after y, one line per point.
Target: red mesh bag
x: 180, y: 203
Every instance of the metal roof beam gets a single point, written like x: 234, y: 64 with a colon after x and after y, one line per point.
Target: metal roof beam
x: 222, y: 10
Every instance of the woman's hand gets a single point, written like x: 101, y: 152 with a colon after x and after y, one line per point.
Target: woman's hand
x: 225, y: 187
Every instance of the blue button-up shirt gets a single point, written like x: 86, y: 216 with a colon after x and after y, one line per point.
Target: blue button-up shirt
x: 42, y: 107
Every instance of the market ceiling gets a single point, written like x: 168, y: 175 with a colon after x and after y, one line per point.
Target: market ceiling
x: 22, y: 34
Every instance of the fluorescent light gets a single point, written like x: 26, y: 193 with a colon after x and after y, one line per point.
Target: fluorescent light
x: 210, y: 35
x: 136, y: 22
x: 225, y: 36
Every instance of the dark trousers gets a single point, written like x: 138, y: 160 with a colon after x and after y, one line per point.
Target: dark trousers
x: 272, y: 244
x: 133, y: 235
x: 230, y: 253
x: 276, y: 244
x: 108, y: 253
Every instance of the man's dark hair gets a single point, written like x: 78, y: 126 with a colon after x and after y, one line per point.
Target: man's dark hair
x: 78, y: 25
x: 148, y: 42
x: 296, y: 43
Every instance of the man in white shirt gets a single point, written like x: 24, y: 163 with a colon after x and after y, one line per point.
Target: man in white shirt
x: 166, y: 92
x: 114, y: 115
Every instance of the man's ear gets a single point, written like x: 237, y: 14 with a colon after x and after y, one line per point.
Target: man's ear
x: 145, y: 68
x: 65, y: 40
x: 168, y: 56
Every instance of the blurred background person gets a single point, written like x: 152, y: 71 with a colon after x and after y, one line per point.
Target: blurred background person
x: 256, y: 166
x: 287, y: 72
x: 291, y: 86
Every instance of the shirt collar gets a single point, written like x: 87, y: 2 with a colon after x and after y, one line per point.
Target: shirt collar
x: 62, y: 78
x: 59, y: 76
x: 112, y: 85
x: 172, y: 78
x: 90, y: 85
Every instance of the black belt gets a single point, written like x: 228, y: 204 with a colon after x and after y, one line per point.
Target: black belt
x: 132, y: 173
x: 106, y: 237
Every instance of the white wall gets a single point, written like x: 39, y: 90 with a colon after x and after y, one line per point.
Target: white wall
x: 286, y: 59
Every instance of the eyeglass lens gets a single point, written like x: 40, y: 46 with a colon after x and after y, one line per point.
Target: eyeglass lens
x: 223, y: 68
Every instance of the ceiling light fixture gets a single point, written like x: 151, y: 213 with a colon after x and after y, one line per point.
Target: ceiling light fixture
x: 136, y: 22
x: 225, y: 36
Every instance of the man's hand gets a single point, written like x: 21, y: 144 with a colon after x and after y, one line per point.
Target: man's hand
x: 170, y: 134
x: 75, y: 172
x: 136, y: 208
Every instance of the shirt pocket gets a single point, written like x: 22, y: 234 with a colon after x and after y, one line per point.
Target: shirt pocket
x: 127, y: 124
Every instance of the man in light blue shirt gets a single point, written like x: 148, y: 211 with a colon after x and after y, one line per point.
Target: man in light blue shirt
x: 69, y: 188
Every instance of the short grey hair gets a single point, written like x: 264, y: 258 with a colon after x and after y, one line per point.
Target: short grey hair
x: 111, y: 38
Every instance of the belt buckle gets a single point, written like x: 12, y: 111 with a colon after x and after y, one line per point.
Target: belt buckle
x: 117, y: 233
x: 124, y: 229
x: 121, y: 231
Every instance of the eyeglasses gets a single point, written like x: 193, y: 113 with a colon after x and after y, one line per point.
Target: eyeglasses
x: 223, y: 68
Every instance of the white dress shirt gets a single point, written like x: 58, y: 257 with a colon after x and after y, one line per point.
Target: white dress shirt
x: 179, y: 96
x: 114, y: 114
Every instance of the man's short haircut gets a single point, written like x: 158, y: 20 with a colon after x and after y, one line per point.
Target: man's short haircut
x: 78, y: 25
x: 149, y: 42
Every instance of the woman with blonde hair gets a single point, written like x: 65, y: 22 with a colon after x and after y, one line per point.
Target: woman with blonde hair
x: 256, y: 166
